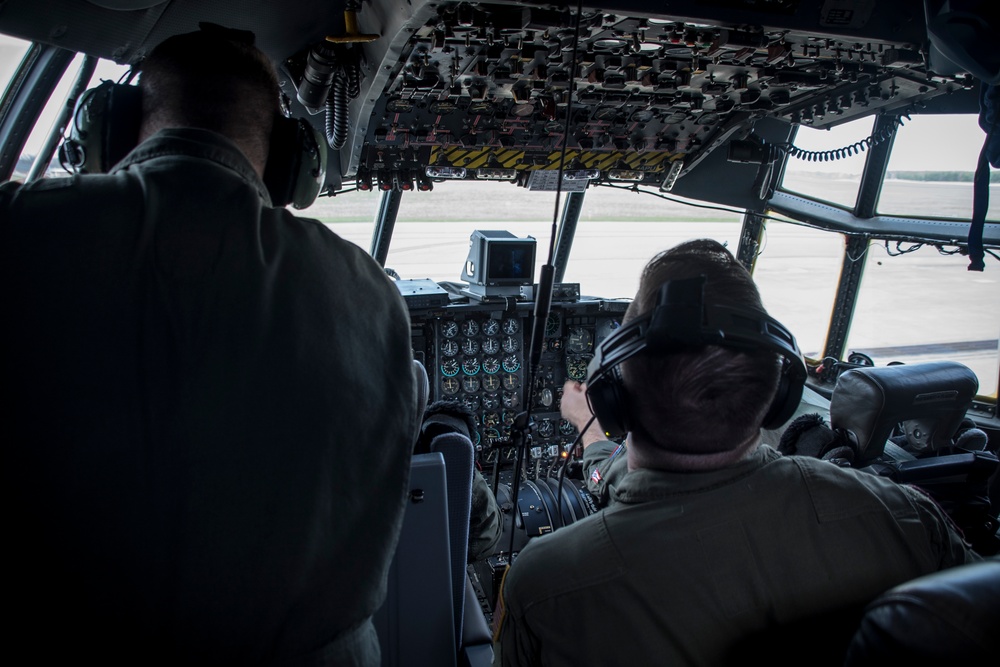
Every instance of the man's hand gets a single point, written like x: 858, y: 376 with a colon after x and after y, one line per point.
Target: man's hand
x: 575, y: 409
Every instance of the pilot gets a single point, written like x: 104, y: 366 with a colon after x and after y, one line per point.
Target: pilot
x: 712, y: 537
x: 210, y: 406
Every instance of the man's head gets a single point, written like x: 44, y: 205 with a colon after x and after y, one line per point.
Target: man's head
x: 697, y: 408
x: 214, y: 80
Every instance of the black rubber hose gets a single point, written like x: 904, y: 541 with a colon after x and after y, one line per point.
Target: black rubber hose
x: 336, y: 114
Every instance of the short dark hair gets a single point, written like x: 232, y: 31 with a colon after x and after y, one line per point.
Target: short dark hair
x: 211, y: 79
x: 702, y: 407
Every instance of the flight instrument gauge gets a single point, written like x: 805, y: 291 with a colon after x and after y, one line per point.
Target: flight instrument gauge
x: 471, y: 365
x: 510, y: 363
x: 449, y: 348
x: 492, y: 455
x: 566, y: 428
x: 546, y: 428
x: 552, y: 325
x: 511, y: 382
x: 470, y: 384
x: 491, y: 420
x: 491, y: 382
x: 490, y: 402
x: 491, y: 365
x: 511, y: 345
x: 450, y: 386
x: 449, y: 368
x: 470, y: 346
x: 579, y: 340
x: 491, y: 327
x: 511, y: 326
x: 471, y: 401
x: 491, y: 345
x: 510, y: 400
x: 470, y: 327
x: 449, y: 328
x: 576, y: 368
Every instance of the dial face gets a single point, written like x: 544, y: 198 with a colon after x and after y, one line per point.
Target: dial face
x: 491, y: 365
x: 511, y: 381
x: 511, y: 326
x: 449, y: 328
x: 449, y: 367
x: 470, y: 328
x: 491, y: 382
x: 579, y: 340
x: 471, y: 402
x: 576, y: 368
x: 492, y: 455
x: 470, y: 346
x: 566, y: 428
x: 510, y: 399
x: 508, y: 417
x: 491, y: 420
x: 449, y: 348
x: 554, y: 344
x: 491, y: 345
x: 471, y: 365
x: 490, y: 402
x: 546, y: 428
x: 511, y: 344
x: 552, y: 324
x: 491, y: 327
x: 470, y: 384
x: 510, y: 363
x: 450, y: 386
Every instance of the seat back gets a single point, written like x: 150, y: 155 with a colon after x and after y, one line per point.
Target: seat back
x: 416, y: 624
x: 458, y: 454
x: 950, y: 617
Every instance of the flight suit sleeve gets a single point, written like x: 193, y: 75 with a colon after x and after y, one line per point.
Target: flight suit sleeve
x: 946, y: 539
x: 485, y: 525
x: 604, y: 465
x: 514, y: 645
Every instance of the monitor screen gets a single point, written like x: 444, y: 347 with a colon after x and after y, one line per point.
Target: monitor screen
x: 510, y: 262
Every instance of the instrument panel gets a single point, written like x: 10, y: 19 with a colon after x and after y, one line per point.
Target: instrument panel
x: 478, y: 354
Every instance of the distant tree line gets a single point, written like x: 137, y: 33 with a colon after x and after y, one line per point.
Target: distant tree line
x: 945, y: 176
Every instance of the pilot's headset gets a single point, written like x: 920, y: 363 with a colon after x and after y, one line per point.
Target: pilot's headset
x: 105, y: 128
x: 681, y: 319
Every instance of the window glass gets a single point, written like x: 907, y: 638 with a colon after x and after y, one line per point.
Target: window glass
x: 924, y: 306
x: 931, y: 167
x: 832, y: 181
x: 47, y: 121
x: 12, y: 50
x: 619, y: 231
x: 431, y: 237
x: 351, y: 215
x: 797, y: 273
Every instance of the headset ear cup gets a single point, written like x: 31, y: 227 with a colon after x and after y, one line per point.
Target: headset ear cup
x: 606, y: 396
x: 104, y: 128
x: 789, y: 394
x: 296, y: 163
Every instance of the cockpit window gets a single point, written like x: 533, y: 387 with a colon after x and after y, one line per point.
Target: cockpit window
x: 431, y: 237
x: 797, y: 272
x: 832, y: 181
x: 916, y: 305
x: 12, y: 50
x: 350, y: 215
x: 931, y: 166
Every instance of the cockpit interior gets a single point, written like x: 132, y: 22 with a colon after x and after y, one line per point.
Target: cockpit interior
x: 784, y: 121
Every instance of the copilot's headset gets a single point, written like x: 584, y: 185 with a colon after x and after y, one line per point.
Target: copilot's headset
x: 105, y: 127
x: 682, y: 319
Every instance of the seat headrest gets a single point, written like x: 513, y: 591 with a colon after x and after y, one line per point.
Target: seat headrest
x: 867, y: 403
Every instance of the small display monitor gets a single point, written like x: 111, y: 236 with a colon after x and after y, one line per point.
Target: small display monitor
x: 498, y: 260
